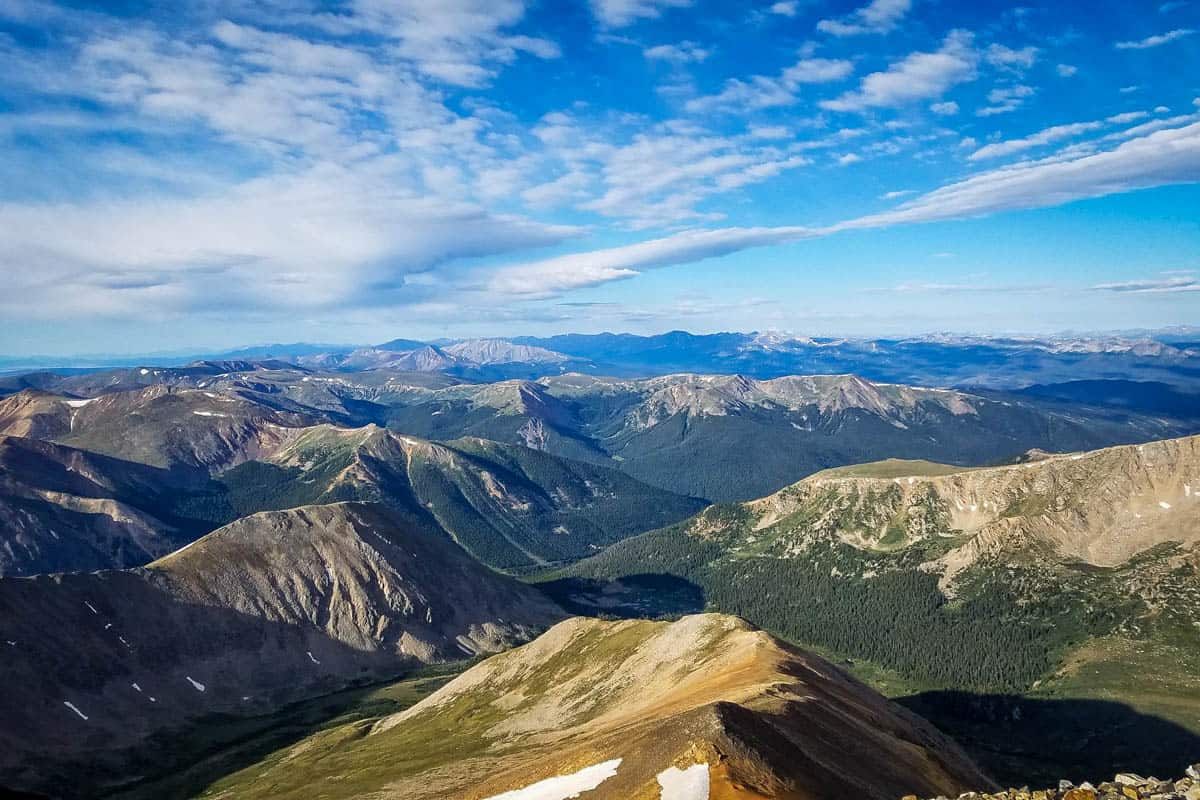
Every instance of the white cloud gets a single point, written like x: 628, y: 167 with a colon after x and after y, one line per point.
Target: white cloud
x: 1155, y: 41
x: 1043, y: 137
x: 761, y: 91
x: 1013, y: 60
x: 1066, y: 70
x: 848, y: 159
x: 1005, y: 100
x: 947, y: 109
x: 879, y: 16
x: 620, y: 13
x: 1129, y: 89
x: 1161, y: 158
x: 682, y: 53
x: 786, y: 8
x: 332, y: 237
x: 895, y: 195
x: 1164, y: 285
x: 555, y: 275
x: 919, y: 76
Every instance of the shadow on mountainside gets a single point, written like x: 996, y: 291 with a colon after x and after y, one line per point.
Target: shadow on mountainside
x: 641, y: 596
x: 1023, y: 741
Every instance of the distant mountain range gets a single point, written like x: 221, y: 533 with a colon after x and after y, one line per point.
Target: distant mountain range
x: 933, y: 360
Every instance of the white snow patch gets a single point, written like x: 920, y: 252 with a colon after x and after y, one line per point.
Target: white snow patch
x: 1164, y: 504
x: 79, y: 403
x: 1076, y: 458
x: 311, y: 657
x: 1187, y: 490
x: 136, y: 688
x: 107, y: 625
x: 564, y: 787
x: 974, y: 507
x: 199, y: 687
x: 153, y: 700
x: 122, y: 638
x: 11, y: 642
x: 92, y: 607
x: 684, y: 784
x: 911, y: 481
x: 145, y: 371
x: 75, y: 708
x: 209, y: 414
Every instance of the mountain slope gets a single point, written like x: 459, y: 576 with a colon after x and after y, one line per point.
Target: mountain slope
x: 186, y: 429
x: 1053, y: 578
x: 271, y: 608
x: 64, y: 509
x: 508, y: 505
x: 627, y: 708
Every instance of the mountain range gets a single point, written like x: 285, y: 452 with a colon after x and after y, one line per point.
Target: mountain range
x: 261, y: 577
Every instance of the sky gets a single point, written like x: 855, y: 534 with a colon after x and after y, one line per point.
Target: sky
x: 229, y: 172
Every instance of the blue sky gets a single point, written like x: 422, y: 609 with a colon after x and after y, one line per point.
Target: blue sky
x: 228, y: 172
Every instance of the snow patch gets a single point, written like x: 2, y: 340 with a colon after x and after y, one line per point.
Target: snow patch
x: 209, y: 414
x: 199, y: 687
x: 144, y: 371
x: 311, y: 657
x: 136, y: 688
x: 565, y: 787
x: 684, y: 784
x: 92, y: 607
x: 75, y: 708
x: 79, y: 403
x: 1163, y: 504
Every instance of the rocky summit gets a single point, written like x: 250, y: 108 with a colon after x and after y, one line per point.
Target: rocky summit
x: 1125, y: 786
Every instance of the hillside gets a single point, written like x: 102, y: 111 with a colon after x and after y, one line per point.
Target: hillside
x: 510, y: 506
x: 186, y: 429
x: 272, y: 608
x: 627, y: 709
x: 1049, y: 579
x: 66, y: 509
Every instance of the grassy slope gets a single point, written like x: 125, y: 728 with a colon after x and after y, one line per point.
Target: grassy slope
x: 224, y: 751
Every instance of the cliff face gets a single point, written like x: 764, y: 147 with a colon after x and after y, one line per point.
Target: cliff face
x: 272, y: 608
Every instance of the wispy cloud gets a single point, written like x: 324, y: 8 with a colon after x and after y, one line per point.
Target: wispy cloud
x: 1156, y: 40
x: 761, y: 91
x: 620, y: 13
x: 919, y: 76
x: 879, y: 16
x: 1163, y: 285
x: 1006, y: 99
x: 1161, y: 158
x: 682, y: 53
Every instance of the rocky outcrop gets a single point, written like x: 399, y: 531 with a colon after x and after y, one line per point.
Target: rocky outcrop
x: 1126, y: 786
